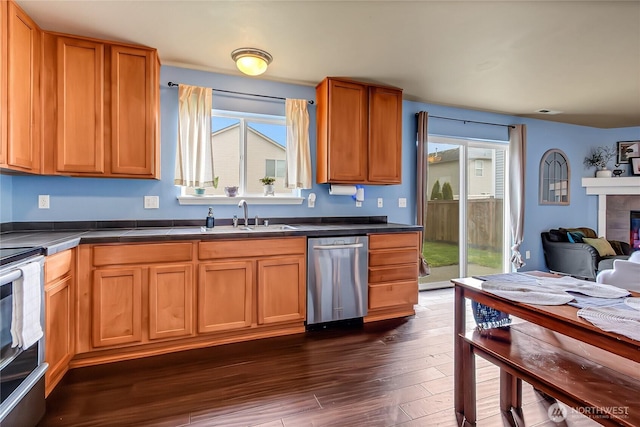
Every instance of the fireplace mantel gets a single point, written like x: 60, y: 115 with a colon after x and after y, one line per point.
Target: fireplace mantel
x: 610, y: 186
x: 603, y: 187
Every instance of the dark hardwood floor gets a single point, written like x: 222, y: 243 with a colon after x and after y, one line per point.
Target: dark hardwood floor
x: 391, y: 373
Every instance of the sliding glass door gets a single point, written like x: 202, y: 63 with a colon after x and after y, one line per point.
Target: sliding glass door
x: 465, y: 229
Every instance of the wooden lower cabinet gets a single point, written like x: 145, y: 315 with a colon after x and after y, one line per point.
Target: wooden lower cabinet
x: 117, y: 307
x: 143, y: 299
x: 281, y: 289
x: 393, y: 275
x: 59, y: 298
x: 171, y: 289
x: 225, y: 295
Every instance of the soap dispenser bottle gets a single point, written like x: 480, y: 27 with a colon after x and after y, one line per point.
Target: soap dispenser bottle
x: 210, y: 219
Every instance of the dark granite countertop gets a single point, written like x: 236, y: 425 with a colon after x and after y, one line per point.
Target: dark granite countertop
x: 56, y: 239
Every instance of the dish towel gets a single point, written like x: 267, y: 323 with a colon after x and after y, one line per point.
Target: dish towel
x: 26, y: 328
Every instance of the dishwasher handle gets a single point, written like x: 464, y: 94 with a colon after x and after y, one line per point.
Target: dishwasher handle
x: 344, y: 246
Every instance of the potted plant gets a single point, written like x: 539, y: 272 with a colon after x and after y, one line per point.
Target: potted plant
x: 267, y: 183
x: 599, y: 157
x: 201, y: 190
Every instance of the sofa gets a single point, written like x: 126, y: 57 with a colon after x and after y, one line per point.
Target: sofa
x: 579, y: 252
x: 625, y: 274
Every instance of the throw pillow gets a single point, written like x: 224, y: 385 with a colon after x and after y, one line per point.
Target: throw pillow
x: 575, y: 236
x: 557, y: 236
x: 601, y: 244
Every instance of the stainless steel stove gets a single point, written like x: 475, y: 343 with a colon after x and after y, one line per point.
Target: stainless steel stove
x: 22, y: 370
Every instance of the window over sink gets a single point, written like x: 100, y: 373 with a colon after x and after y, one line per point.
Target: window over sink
x: 247, y: 147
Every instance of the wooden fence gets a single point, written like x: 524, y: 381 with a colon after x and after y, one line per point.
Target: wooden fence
x: 484, y: 222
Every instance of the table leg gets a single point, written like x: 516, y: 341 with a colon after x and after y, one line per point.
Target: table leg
x: 458, y: 361
x: 469, y: 378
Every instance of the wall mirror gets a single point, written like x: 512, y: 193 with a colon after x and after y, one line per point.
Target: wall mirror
x: 554, y: 178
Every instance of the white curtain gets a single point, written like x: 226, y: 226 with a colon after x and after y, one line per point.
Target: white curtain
x: 517, y: 161
x: 298, y: 166
x: 194, y: 153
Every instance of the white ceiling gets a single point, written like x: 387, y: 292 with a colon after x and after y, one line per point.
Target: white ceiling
x: 514, y: 57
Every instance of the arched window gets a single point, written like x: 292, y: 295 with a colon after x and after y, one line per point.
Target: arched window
x: 554, y: 178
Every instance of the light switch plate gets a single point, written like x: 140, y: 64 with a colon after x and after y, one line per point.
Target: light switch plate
x: 527, y: 254
x: 43, y: 201
x: 151, y: 202
x: 380, y: 202
x: 402, y: 202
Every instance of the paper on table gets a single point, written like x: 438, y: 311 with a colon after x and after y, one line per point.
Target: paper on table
x: 598, y: 290
x: 527, y: 293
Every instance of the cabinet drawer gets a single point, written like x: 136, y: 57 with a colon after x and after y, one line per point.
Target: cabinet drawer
x: 58, y: 265
x: 393, y: 240
x: 392, y: 257
x: 251, y: 248
x: 390, y: 294
x: 142, y: 254
x: 393, y: 273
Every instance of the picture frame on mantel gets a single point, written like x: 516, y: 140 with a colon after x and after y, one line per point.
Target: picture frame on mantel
x: 627, y: 150
x: 635, y: 166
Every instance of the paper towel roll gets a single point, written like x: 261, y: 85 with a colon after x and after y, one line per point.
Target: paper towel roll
x: 342, y: 190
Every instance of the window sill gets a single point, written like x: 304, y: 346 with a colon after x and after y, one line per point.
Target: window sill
x: 252, y: 200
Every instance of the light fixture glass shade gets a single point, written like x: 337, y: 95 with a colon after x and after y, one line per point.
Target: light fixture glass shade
x: 251, y: 61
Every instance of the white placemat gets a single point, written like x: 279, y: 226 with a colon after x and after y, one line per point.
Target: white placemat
x: 616, y: 320
x: 598, y: 290
x: 527, y: 293
x: 633, y: 302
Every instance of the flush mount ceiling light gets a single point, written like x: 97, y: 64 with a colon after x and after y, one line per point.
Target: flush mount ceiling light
x: 251, y: 61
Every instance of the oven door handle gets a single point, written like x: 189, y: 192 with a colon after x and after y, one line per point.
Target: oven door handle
x: 10, y: 277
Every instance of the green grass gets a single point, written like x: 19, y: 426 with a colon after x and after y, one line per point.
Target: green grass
x: 440, y: 254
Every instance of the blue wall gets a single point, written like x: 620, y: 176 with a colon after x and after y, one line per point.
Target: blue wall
x: 111, y: 199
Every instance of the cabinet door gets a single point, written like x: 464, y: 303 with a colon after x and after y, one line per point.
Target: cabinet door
x: 80, y: 129
x: 225, y: 296
x: 4, y: 7
x: 134, y: 122
x: 23, y: 73
x: 385, y: 135
x: 347, y: 132
x: 281, y: 289
x: 59, y: 330
x: 170, y: 301
x: 117, y: 307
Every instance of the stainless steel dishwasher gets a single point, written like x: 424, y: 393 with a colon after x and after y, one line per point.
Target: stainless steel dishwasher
x: 337, y: 278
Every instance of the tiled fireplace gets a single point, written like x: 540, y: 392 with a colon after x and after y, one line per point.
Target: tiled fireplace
x: 617, y: 197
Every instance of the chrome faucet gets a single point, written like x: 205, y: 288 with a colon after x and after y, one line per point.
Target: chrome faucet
x: 243, y: 204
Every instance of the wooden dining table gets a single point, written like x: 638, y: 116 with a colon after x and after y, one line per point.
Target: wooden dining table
x: 562, y: 319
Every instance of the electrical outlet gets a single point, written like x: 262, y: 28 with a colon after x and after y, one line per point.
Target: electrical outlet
x: 402, y: 202
x: 380, y: 203
x: 151, y: 202
x: 43, y: 201
x: 527, y: 255
x: 358, y: 204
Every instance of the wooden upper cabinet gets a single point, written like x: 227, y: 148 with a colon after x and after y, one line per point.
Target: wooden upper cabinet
x: 359, y: 133
x: 385, y: 135
x: 134, y: 124
x: 4, y: 28
x: 101, y: 103
x: 80, y: 102
x: 20, y: 90
x: 342, y: 132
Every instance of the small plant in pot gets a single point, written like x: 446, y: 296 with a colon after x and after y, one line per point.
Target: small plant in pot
x: 599, y: 157
x: 267, y: 183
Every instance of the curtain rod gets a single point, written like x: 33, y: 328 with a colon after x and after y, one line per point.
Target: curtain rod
x: 172, y: 84
x: 472, y: 121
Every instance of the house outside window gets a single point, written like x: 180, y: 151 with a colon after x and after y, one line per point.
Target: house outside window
x: 247, y: 147
x: 479, y: 167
